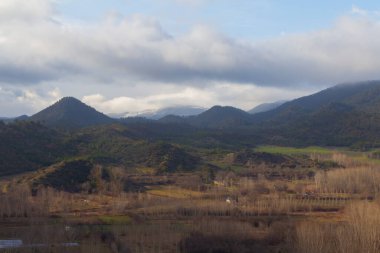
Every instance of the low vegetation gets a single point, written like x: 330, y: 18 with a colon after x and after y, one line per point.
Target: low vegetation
x: 111, y: 209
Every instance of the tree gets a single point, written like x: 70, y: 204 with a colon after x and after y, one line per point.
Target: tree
x: 96, y: 181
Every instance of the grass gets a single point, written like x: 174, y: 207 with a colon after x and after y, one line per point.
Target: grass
x: 294, y: 151
x: 355, y: 155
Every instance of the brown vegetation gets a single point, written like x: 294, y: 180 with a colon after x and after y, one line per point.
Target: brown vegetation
x: 356, y: 180
x: 183, y: 212
x: 360, y: 233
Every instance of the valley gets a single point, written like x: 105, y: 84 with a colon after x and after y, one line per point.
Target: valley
x: 302, y: 177
x: 189, y: 126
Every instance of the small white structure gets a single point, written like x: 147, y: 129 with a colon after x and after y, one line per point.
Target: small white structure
x: 228, y: 201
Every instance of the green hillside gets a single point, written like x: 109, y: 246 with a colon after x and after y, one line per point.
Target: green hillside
x: 26, y: 146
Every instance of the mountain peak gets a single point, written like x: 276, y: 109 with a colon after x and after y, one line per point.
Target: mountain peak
x: 221, y: 117
x: 224, y: 110
x: 70, y: 112
x: 69, y: 99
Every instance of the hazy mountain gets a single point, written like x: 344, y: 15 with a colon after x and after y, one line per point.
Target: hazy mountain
x: 125, y: 115
x: 22, y: 117
x: 9, y: 120
x: 177, y: 111
x: 161, y: 113
x: 69, y: 112
x: 6, y: 119
x: 266, y: 107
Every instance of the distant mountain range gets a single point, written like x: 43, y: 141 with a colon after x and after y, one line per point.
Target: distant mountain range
x: 158, y: 114
x: 185, y: 111
x: 345, y: 115
x: 8, y: 120
x: 340, y: 115
x: 215, y: 117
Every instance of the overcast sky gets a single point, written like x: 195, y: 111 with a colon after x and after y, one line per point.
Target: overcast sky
x: 135, y: 55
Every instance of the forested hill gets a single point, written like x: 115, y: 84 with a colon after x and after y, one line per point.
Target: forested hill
x: 344, y: 115
x: 70, y: 113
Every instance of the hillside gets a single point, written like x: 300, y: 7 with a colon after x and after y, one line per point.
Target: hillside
x: 29, y: 146
x: 344, y: 115
x: 362, y: 96
x: 118, y: 145
x: 70, y: 113
x: 26, y: 146
x: 170, y: 158
x: 266, y: 107
x: 67, y: 176
x: 250, y: 159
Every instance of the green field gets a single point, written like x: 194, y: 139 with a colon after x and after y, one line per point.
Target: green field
x: 295, y: 151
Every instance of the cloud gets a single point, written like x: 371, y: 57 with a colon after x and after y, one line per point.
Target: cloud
x: 185, y: 2
x: 152, y: 68
x: 215, y: 94
x: 30, y: 11
x: 357, y: 10
x: 124, y: 104
x: 16, y: 101
x: 115, y: 105
x: 137, y: 49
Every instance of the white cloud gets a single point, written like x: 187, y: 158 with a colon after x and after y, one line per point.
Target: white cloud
x: 115, y: 105
x: 31, y: 10
x: 16, y: 101
x: 215, y: 94
x: 185, y: 2
x: 357, y: 10
x: 136, y: 64
x: 138, y: 48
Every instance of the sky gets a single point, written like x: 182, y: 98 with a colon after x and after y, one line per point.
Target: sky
x: 128, y: 56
